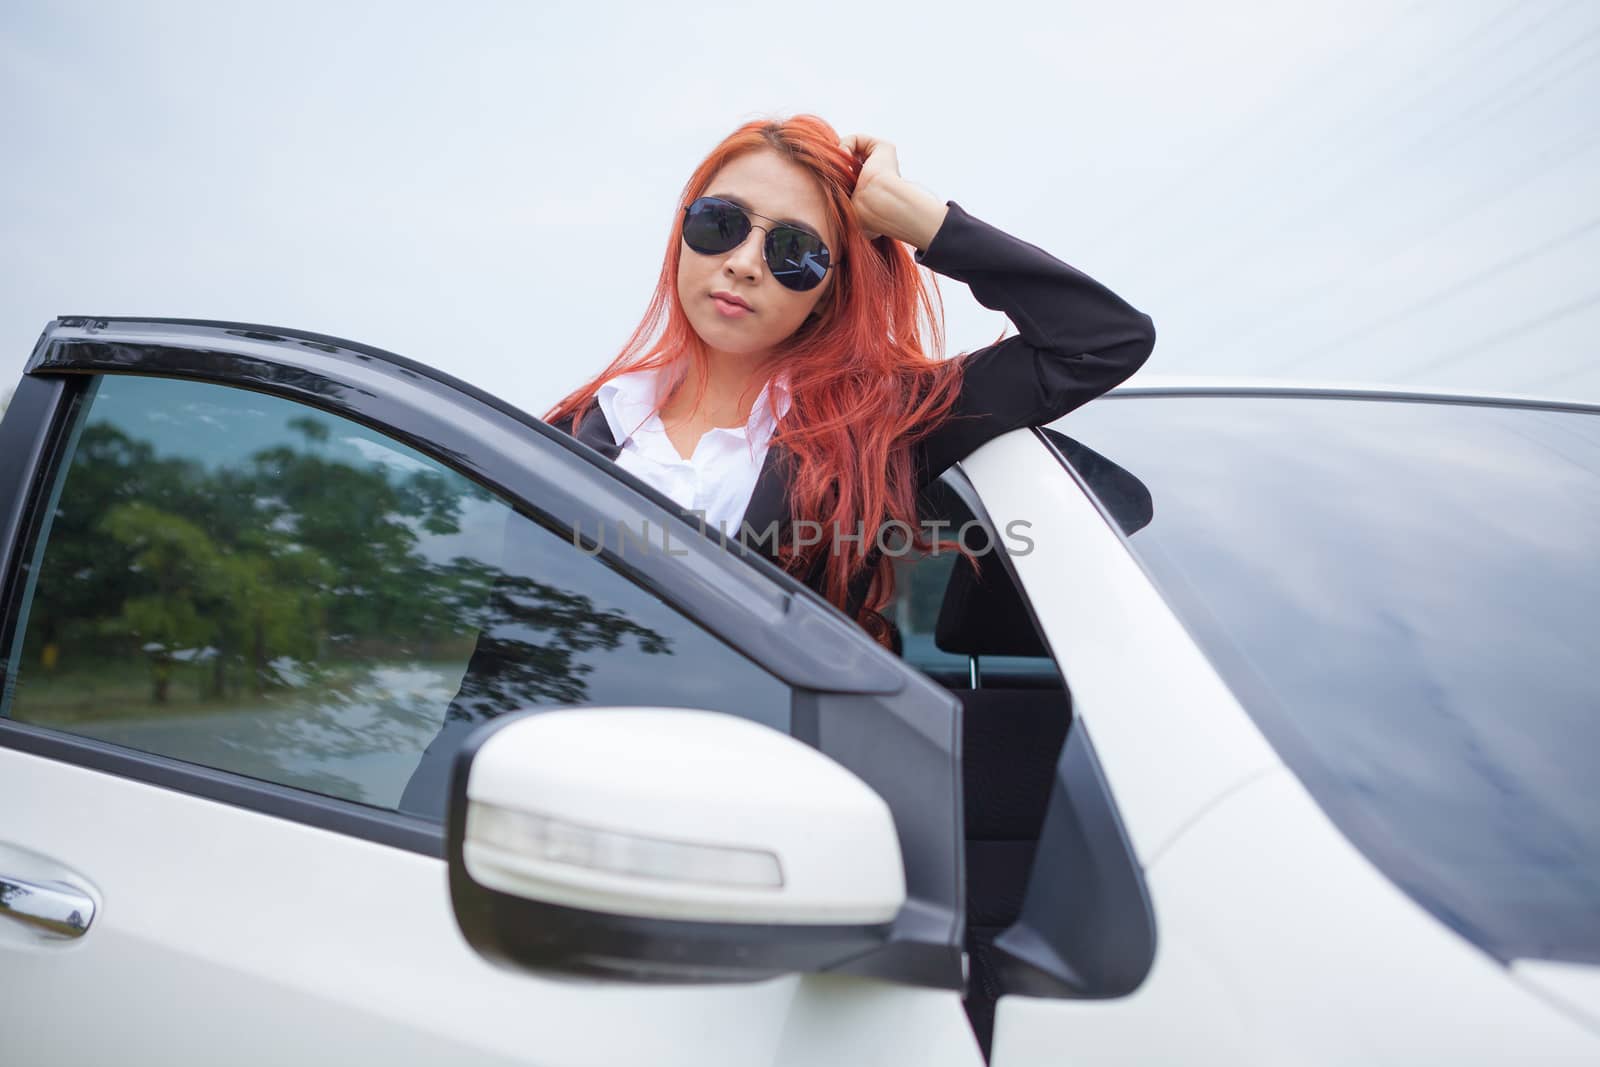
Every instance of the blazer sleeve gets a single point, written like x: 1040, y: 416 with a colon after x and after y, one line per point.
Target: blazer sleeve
x: 1075, y: 338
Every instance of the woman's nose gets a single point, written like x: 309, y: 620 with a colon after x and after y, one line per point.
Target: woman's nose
x: 745, y: 259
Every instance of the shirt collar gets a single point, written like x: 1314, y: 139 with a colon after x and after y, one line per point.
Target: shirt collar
x: 760, y: 418
x: 629, y: 401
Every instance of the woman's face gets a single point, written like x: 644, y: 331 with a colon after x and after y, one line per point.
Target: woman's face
x: 766, y: 184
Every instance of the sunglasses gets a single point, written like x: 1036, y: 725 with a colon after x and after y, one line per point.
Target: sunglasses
x: 796, y: 257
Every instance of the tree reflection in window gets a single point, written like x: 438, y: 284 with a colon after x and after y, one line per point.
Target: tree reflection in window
x: 240, y: 581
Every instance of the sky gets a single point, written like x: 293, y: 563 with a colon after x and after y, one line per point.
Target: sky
x: 1346, y: 191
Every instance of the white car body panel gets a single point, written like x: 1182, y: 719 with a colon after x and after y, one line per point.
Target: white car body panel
x: 1278, y: 942
x: 1573, y: 986
x: 1169, y: 733
x: 224, y: 935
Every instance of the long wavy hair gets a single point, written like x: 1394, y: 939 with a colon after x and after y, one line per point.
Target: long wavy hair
x: 865, y: 373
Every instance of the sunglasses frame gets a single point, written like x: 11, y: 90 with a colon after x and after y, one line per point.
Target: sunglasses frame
x: 766, y: 243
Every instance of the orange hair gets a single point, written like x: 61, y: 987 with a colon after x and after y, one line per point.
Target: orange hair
x: 865, y: 377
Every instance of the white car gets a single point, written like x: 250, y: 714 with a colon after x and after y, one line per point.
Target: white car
x: 333, y: 729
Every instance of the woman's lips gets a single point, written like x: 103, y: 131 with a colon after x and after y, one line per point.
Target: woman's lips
x: 728, y: 309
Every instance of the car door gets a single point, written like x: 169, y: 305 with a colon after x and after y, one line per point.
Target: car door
x: 250, y: 577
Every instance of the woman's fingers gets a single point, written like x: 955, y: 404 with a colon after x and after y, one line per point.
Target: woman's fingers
x: 878, y: 160
x: 859, y: 144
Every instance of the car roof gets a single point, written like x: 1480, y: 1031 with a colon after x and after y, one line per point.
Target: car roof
x: 1226, y: 385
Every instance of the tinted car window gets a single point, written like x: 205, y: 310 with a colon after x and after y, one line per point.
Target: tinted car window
x: 239, y: 581
x: 1406, y: 597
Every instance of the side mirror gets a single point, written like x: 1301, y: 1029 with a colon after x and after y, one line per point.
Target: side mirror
x: 665, y: 844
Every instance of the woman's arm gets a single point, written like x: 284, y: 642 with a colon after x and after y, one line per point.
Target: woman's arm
x: 1075, y: 338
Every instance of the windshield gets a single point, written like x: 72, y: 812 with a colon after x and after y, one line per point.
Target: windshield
x: 1406, y: 598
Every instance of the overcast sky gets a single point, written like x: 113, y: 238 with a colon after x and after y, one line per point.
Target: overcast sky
x: 1342, y: 190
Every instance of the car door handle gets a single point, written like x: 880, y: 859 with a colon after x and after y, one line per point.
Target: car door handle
x: 53, y: 907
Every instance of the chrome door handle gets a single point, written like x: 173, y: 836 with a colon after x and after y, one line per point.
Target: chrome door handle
x: 53, y: 907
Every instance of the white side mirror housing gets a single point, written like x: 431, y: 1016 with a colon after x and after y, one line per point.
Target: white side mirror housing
x: 668, y: 832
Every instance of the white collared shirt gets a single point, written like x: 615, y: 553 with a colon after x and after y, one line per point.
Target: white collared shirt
x: 719, y: 477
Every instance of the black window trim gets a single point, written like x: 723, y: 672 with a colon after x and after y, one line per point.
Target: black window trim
x: 25, y: 444
x: 321, y: 812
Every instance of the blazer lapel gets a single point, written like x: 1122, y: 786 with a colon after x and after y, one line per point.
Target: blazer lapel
x: 769, y: 500
x: 596, y: 433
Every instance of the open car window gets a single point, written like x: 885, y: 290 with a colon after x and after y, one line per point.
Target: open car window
x: 953, y: 623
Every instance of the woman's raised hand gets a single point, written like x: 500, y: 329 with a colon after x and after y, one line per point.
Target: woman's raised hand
x: 885, y: 203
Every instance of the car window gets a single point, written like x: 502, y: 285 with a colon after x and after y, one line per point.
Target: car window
x: 923, y: 579
x: 243, y: 582
x: 1406, y: 598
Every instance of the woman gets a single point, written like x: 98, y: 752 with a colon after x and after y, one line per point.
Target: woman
x: 785, y: 370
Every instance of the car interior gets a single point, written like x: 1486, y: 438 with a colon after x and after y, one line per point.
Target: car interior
x: 981, y: 643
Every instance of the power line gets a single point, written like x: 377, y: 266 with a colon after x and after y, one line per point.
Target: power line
x: 1558, y: 155
x: 1335, y: 144
x: 1261, y: 324
x: 1117, y: 231
x: 1309, y: 209
x: 1440, y: 296
x: 1587, y: 363
x: 1456, y: 354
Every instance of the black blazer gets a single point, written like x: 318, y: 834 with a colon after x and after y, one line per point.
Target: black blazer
x: 1075, y: 340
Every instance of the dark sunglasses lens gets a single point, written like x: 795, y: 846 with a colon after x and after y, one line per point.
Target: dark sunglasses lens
x: 798, y: 260
x: 714, y: 226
